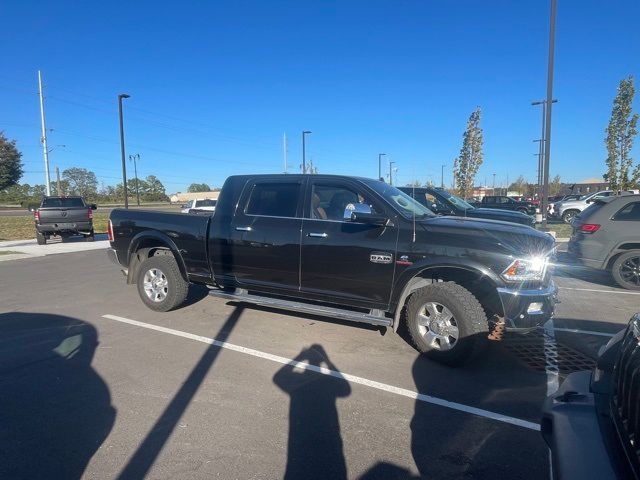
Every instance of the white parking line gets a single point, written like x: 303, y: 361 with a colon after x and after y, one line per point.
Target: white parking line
x: 325, y: 371
x: 599, y: 291
x: 585, y: 332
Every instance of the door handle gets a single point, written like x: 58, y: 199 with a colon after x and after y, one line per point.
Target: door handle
x: 318, y: 235
x: 244, y: 229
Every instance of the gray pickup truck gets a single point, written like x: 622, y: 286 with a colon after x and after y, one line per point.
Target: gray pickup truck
x: 63, y: 216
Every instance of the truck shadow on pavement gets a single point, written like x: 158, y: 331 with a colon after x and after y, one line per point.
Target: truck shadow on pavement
x: 55, y: 410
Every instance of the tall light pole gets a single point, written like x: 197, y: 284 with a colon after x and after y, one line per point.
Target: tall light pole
x: 442, y: 176
x: 134, y: 158
x: 542, y: 143
x: 43, y: 138
x: 124, y: 165
x: 304, y: 151
x: 380, y: 155
x: 493, y: 189
x: 549, y: 106
x: 391, y: 164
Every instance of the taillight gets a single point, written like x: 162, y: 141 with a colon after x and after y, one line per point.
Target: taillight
x: 589, y: 227
x: 36, y: 215
x: 110, y: 231
x: 90, y: 214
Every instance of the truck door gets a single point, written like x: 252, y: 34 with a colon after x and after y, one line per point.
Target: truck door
x: 343, y: 260
x: 265, y: 235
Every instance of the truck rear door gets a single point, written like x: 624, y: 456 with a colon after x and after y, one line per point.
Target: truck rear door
x: 69, y: 210
x: 265, y: 235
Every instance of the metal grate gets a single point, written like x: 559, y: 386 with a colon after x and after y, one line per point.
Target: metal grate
x: 530, y: 349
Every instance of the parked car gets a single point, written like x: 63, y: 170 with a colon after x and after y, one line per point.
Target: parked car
x: 592, y: 423
x: 64, y: 217
x: 606, y: 236
x: 568, y: 209
x: 344, y: 247
x: 441, y: 202
x: 507, y: 203
x: 205, y: 204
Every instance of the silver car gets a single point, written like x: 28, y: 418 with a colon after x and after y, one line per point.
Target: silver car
x: 569, y: 209
x: 606, y: 236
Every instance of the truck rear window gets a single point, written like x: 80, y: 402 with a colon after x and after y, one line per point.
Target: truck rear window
x: 274, y: 199
x: 63, y: 202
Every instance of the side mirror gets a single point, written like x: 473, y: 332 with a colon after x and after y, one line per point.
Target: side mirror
x: 590, y: 200
x: 93, y: 206
x: 361, y: 213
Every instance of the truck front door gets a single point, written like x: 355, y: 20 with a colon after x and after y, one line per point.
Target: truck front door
x: 265, y: 235
x: 343, y: 261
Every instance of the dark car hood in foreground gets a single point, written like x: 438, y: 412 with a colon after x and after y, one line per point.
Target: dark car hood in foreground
x: 497, y: 214
x: 492, y: 236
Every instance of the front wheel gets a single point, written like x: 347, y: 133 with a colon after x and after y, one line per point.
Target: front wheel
x: 626, y: 270
x: 160, y: 283
x: 446, y: 322
x: 569, y: 215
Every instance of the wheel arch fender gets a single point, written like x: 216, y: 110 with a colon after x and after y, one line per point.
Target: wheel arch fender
x: 146, y: 241
x: 417, y: 277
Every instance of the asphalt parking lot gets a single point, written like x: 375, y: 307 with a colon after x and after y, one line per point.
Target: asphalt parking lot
x: 94, y: 384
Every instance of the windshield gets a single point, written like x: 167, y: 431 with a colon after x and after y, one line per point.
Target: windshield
x: 57, y: 202
x: 456, y: 201
x: 407, y: 206
x: 205, y: 203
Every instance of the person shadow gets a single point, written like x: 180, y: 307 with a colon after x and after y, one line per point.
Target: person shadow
x: 314, y: 447
x: 55, y: 410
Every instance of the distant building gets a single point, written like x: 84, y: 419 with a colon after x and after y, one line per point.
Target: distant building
x: 185, y: 197
x: 588, y: 185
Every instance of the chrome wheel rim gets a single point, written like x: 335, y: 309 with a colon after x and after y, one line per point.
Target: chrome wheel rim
x: 438, y: 326
x: 155, y: 285
x: 569, y: 217
x: 630, y: 271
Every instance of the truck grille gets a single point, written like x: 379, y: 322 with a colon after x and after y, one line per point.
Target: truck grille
x: 626, y: 398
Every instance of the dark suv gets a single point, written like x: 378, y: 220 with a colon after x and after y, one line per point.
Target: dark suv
x: 606, y: 236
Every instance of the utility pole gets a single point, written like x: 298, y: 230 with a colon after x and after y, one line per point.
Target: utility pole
x: 43, y: 138
x: 284, y: 150
x: 135, y: 169
x: 391, y: 164
x: 124, y: 164
x: 304, y: 151
x: 380, y: 155
x: 59, y: 191
x: 442, y: 177
x: 549, y: 106
x: 493, y: 189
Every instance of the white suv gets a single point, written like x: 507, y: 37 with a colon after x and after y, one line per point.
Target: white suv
x: 568, y: 210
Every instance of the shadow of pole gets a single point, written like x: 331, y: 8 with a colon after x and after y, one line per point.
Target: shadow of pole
x: 314, y: 448
x: 145, y: 456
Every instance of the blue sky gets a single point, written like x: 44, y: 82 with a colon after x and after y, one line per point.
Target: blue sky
x: 214, y: 85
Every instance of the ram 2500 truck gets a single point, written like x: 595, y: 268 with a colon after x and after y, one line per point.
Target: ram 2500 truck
x: 349, y: 248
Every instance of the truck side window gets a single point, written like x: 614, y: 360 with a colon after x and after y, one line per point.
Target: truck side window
x: 328, y: 202
x: 274, y: 200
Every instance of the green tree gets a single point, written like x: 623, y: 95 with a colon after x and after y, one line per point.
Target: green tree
x: 155, y: 190
x: 10, y: 163
x: 198, y: 187
x: 520, y: 185
x: 621, y: 132
x: 81, y: 182
x: 555, y: 186
x: 466, y: 165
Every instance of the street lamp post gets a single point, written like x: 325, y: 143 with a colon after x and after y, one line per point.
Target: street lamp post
x: 124, y: 165
x: 442, y: 176
x: 380, y: 155
x: 134, y: 158
x: 493, y: 189
x: 304, y: 151
x: 391, y: 164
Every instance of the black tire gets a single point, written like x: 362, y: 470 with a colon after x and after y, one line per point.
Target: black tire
x: 468, y: 316
x: 626, y: 270
x: 176, y: 286
x: 91, y: 237
x: 569, y: 215
x: 41, y: 239
x: 63, y: 238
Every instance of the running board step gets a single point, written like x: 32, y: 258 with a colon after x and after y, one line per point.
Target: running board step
x: 374, y: 317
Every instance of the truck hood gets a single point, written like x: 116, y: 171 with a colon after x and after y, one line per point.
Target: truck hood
x: 492, y: 236
x: 497, y: 214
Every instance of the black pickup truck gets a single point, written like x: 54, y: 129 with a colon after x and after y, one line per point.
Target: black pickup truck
x: 344, y: 247
x: 441, y: 202
x: 63, y: 216
x: 506, y: 203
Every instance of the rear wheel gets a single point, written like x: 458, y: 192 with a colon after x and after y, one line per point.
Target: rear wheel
x: 569, y: 215
x: 160, y: 283
x: 41, y: 239
x: 626, y: 270
x: 91, y: 237
x: 446, y: 322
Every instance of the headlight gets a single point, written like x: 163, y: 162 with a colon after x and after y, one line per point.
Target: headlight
x: 525, y: 269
